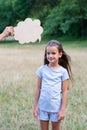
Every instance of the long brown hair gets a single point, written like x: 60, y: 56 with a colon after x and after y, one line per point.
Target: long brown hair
x: 65, y: 58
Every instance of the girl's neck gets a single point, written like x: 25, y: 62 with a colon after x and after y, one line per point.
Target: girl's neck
x: 53, y: 65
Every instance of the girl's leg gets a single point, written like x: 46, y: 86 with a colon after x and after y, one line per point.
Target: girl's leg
x: 56, y: 125
x: 44, y: 125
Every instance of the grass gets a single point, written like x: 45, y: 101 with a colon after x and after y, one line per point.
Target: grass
x: 18, y: 82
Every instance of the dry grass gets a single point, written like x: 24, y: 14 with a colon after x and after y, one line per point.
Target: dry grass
x: 18, y: 82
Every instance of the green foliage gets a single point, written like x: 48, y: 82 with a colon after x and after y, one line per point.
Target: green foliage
x: 22, y: 8
x: 41, y: 9
x: 70, y: 18
x: 52, y: 22
x: 6, y: 14
x: 60, y: 17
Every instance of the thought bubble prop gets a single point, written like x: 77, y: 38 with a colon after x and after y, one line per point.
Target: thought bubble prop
x: 28, y: 31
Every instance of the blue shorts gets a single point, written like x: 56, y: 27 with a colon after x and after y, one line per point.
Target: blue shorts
x: 46, y: 116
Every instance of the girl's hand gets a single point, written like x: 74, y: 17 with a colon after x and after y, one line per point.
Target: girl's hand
x: 61, y: 115
x: 35, y: 111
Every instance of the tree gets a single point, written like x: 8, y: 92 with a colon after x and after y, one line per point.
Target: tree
x: 22, y: 8
x: 70, y: 17
x: 6, y: 14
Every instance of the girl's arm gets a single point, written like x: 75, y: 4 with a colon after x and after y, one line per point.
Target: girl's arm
x: 64, y: 99
x: 35, y: 111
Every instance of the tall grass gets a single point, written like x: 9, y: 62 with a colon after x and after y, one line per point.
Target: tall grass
x: 18, y: 83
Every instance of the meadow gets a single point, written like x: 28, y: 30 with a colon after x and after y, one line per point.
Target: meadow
x: 18, y: 65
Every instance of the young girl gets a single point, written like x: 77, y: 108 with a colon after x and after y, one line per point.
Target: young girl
x: 7, y: 31
x: 52, y: 86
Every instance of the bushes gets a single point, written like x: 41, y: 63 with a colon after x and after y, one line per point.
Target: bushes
x: 62, y: 17
x: 68, y: 18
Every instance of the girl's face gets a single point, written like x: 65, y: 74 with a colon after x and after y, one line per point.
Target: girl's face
x: 53, y: 54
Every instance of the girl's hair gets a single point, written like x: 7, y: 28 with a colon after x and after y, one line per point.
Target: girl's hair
x: 64, y: 60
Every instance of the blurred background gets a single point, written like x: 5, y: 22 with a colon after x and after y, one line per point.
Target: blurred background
x: 58, y: 17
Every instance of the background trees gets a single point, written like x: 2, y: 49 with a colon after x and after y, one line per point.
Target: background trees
x: 60, y: 17
x: 69, y: 17
x: 6, y: 14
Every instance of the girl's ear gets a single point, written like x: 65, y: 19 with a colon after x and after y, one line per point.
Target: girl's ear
x: 60, y: 54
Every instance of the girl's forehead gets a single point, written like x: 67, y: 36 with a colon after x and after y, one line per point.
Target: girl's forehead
x: 52, y: 48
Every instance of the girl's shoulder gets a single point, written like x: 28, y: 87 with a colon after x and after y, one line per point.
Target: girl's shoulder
x: 63, y: 69
x: 41, y: 70
x: 42, y: 67
x: 65, y: 74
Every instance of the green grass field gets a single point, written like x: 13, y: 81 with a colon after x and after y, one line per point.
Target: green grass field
x: 18, y: 64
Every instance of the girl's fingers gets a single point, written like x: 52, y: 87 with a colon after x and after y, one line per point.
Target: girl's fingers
x: 60, y: 117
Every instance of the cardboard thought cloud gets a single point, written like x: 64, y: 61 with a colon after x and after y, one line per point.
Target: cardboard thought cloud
x: 28, y: 31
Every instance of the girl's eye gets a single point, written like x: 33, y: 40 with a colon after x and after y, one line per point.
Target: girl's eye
x: 48, y: 53
x: 53, y: 53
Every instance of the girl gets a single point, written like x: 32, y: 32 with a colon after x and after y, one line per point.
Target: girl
x: 52, y: 86
x: 7, y: 31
